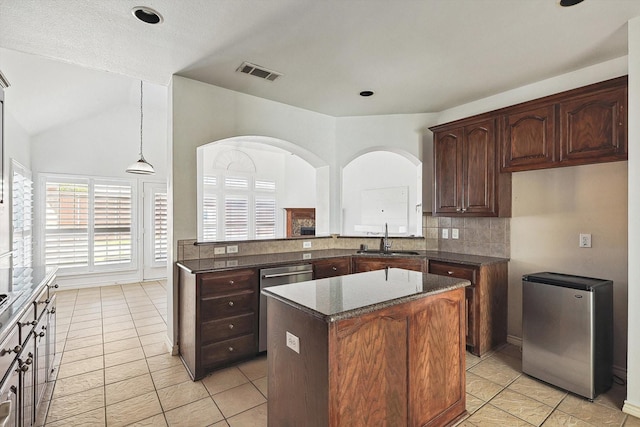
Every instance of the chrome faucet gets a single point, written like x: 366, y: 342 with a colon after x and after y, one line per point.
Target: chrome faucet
x: 385, y: 244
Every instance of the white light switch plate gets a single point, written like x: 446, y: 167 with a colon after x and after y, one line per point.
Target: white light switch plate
x: 306, y: 245
x: 219, y: 250
x: 293, y: 342
x: 232, y: 249
x: 445, y: 233
x: 454, y: 233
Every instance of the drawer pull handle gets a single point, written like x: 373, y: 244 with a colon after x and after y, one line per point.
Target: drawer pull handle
x: 449, y: 272
x: 230, y: 325
x: 231, y: 349
x: 334, y: 268
x: 230, y: 303
x: 231, y: 282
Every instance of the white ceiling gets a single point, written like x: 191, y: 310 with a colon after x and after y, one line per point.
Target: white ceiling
x: 416, y: 55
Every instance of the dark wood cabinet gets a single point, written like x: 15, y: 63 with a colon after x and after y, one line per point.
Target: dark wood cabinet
x: 371, y: 263
x: 466, y: 175
x: 581, y: 126
x: 529, y: 138
x: 593, y: 127
x: 218, y: 319
x: 486, y: 302
x: 331, y: 267
x: 402, y: 365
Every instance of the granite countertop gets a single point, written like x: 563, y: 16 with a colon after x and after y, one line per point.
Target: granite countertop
x: 265, y: 260
x: 343, y: 297
x: 22, y: 286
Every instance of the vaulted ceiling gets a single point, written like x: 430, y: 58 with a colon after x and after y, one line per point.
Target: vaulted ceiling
x: 417, y: 56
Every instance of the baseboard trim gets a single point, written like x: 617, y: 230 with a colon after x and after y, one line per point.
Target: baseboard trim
x: 173, y: 349
x: 631, y: 409
x: 512, y: 339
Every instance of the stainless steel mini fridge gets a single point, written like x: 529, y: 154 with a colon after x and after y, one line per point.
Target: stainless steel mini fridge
x: 567, y: 331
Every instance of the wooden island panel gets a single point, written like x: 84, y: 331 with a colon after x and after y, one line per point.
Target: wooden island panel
x: 401, y: 365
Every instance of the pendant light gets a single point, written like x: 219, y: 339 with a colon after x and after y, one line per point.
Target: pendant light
x: 141, y: 166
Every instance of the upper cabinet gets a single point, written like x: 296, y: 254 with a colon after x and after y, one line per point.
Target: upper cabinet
x: 466, y: 176
x: 577, y: 127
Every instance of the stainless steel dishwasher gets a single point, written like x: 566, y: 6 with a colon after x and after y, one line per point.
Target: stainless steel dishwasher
x: 274, y: 277
x: 567, y: 331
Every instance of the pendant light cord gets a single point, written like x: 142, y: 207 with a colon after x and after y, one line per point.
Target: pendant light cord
x: 141, y: 116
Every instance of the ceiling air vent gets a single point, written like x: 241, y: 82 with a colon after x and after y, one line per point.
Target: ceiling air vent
x: 258, y: 71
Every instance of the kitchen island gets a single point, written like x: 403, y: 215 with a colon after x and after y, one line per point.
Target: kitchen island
x: 384, y: 347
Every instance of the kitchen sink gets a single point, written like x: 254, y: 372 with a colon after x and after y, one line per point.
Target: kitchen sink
x: 386, y: 253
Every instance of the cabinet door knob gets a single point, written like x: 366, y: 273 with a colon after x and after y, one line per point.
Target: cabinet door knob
x: 458, y: 210
x: 17, y: 349
x: 334, y: 268
x: 230, y: 303
x: 449, y: 272
x: 231, y: 349
x: 230, y: 325
x: 231, y: 282
x: 464, y: 210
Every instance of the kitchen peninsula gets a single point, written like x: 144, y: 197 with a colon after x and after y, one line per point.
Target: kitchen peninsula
x: 384, y: 347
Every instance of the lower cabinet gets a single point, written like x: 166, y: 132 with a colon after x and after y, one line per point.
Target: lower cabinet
x: 485, y: 302
x: 398, y: 366
x: 27, y: 362
x: 331, y: 267
x: 218, y: 319
x: 370, y: 263
x: 9, y: 395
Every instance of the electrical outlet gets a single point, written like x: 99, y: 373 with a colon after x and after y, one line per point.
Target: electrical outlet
x: 306, y: 245
x: 454, y: 233
x: 293, y: 342
x: 306, y: 256
x: 585, y: 240
x: 232, y: 249
x: 219, y: 250
x: 445, y: 233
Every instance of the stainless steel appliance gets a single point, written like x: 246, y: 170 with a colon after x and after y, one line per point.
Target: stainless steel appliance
x: 567, y: 331
x: 274, y: 277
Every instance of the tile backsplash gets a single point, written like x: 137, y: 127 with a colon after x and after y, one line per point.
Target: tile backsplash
x: 476, y: 236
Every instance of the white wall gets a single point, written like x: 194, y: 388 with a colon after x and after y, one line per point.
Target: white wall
x: 299, y: 184
x: 379, y: 170
x: 632, y: 404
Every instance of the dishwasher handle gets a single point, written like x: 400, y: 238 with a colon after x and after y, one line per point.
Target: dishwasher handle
x: 290, y: 273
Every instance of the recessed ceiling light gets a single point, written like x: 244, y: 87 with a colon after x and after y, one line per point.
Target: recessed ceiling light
x: 147, y: 15
x: 366, y: 93
x: 567, y: 3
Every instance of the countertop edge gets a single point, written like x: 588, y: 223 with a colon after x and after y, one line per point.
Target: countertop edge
x: 462, y: 283
x: 23, y: 300
x: 450, y: 257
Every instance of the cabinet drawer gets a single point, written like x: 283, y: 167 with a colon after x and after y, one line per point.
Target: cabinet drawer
x: 223, y: 329
x: 331, y: 268
x: 454, y: 270
x: 226, y: 306
x: 228, y: 350
x: 212, y: 284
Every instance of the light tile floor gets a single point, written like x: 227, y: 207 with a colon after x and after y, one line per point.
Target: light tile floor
x: 115, y: 370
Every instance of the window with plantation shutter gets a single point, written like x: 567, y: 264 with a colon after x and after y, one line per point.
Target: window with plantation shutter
x: 265, y: 212
x: 88, y: 223
x: 112, y: 224
x: 236, y: 218
x: 210, y: 217
x: 160, y: 227
x: 66, y: 242
x: 22, y: 218
x: 235, y: 207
